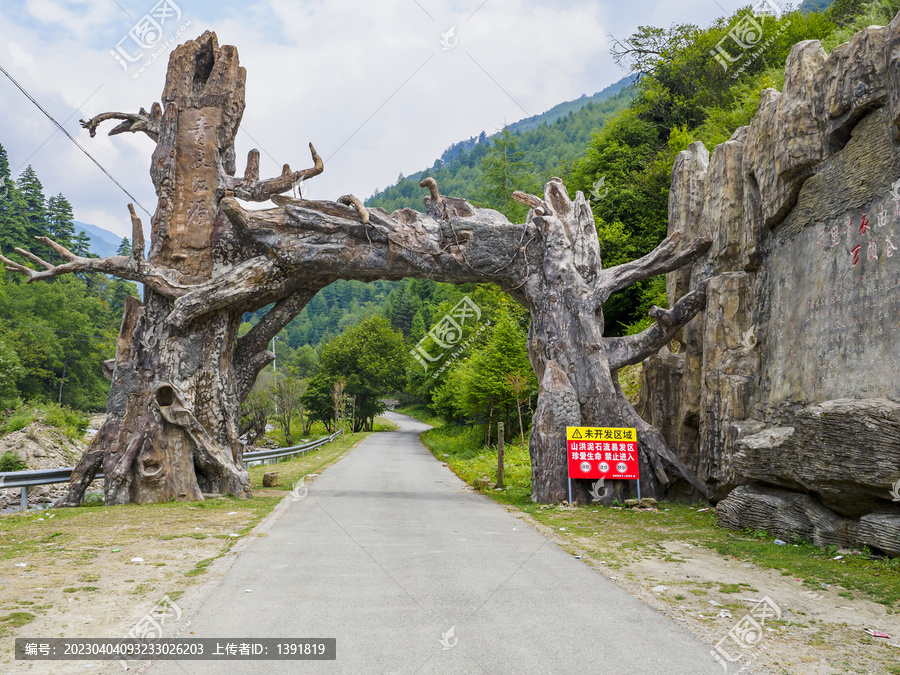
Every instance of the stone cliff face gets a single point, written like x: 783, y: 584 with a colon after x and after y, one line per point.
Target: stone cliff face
x: 784, y: 395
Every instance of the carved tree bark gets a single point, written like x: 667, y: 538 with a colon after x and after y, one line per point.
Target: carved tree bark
x: 180, y: 372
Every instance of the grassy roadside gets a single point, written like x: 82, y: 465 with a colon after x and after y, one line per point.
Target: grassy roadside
x: 58, y: 565
x: 620, y: 537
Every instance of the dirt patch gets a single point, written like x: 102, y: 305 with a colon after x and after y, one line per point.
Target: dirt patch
x: 821, y: 630
x: 95, y: 572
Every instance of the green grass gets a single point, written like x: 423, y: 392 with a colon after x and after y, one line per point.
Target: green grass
x: 17, y: 420
x: 421, y: 413
x: 621, y: 536
x: 471, y: 461
x: 14, y: 620
x: 201, y: 567
x: 316, y: 431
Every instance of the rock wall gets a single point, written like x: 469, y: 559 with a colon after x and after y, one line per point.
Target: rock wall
x: 784, y: 395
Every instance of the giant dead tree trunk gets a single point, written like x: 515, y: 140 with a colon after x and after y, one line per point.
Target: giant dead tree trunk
x: 180, y: 372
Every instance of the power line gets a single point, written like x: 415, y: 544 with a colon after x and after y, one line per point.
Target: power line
x: 71, y: 138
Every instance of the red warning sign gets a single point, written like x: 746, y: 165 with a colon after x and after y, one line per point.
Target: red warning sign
x: 601, y: 452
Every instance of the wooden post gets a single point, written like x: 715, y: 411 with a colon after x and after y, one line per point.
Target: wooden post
x: 499, y: 454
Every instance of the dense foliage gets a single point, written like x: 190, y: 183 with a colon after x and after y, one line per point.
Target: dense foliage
x: 548, y: 147
x: 54, y: 335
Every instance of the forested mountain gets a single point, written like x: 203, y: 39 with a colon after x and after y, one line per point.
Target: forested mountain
x: 549, y: 144
x: 808, y: 6
x: 54, y: 335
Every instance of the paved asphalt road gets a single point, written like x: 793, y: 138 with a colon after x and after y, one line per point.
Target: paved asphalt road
x: 390, y: 550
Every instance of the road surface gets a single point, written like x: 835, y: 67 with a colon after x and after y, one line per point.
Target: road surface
x: 389, y: 550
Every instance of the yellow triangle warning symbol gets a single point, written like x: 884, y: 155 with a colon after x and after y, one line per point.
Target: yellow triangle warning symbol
x: 577, y: 433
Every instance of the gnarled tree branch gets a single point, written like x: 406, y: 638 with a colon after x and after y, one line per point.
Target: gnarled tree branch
x: 149, y: 123
x: 251, y: 189
x: 625, y: 351
x: 664, y: 258
x: 118, y: 265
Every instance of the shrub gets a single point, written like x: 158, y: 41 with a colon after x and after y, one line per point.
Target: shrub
x: 10, y: 462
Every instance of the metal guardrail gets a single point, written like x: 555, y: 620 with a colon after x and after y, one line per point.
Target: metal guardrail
x: 27, y: 479
x: 261, y: 456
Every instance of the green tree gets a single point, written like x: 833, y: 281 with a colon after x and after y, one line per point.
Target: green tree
x: 12, y: 223
x: 485, y: 388
x: 256, y: 410
x: 32, y: 192
x: 318, y: 400
x: 372, y: 359
x: 505, y: 170
x: 60, y: 221
x: 12, y: 219
x: 287, y: 398
x: 417, y: 330
x: 61, y: 333
x: 124, y: 247
x: 304, y: 362
x: 81, y: 244
x: 11, y: 371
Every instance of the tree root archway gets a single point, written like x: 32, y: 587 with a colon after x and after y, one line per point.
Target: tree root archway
x: 181, y: 372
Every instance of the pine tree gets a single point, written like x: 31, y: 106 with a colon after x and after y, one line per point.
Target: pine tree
x: 32, y: 193
x: 124, y: 247
x: 505, y: 171
x: 60, y: 221
x: 417, y: 331
x: 12, y: 217
x: 81, y: 243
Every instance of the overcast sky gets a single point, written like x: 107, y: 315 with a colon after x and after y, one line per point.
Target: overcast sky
x: 369, y: 83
